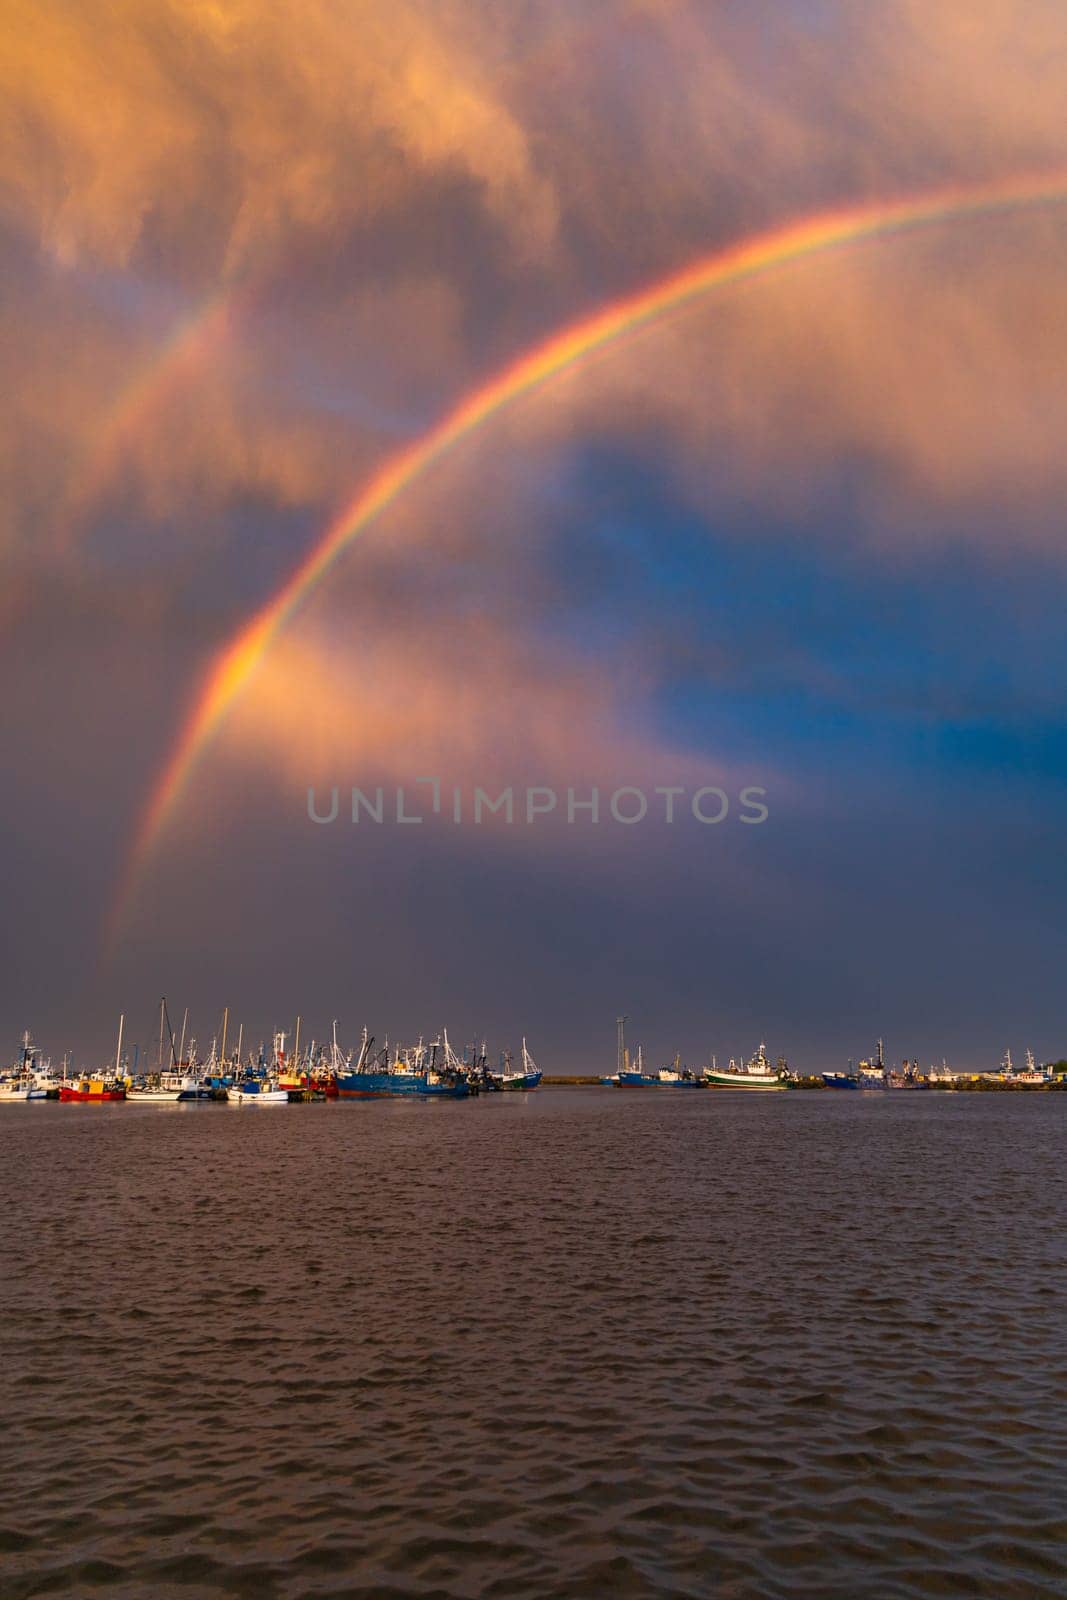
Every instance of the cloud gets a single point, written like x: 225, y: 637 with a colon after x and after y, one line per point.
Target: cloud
x: 470, y: 700
x: 125, y: 128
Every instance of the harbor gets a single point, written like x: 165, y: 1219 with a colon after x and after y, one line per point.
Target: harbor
x: 435, y: 1070
x: 278, y: 1076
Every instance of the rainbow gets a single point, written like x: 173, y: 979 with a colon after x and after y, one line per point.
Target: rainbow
x: 193, y: 338
x: 738, y: 263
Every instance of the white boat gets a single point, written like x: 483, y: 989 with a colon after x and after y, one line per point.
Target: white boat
x: 164, y: 1090
x: 17, y: 1088
x: 756, y: 1073
x: 1031, y: 1075
x: 253, y: 1094
x: 28, y: 1080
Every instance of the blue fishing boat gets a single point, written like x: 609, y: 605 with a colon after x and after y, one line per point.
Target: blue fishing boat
x: 411, y: 1072
x: 841, y: 1080
x: 868, y: 1075
x: 635, y: 1077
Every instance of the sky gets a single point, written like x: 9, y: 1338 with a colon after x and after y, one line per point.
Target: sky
x: 800, y: 531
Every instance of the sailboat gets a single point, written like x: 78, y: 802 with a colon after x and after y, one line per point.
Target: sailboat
x: 173, y: 1086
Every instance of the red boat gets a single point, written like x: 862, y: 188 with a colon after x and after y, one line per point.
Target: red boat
x: 93, y: 1089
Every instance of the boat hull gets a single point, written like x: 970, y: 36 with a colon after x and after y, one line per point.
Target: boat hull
x: 82, y: 1096
x: 742, y: 1080
x: 840, y: 1080
x: 397, y: 1085
x: 378, y: 1085
x: 515, y: 1082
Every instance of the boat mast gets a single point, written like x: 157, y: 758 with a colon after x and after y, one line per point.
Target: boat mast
x: 620, y: 1049
x: 225, y: 1024
x: 118, y: 1051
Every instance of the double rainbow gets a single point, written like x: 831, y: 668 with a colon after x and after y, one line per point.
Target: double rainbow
x: 751, y: 258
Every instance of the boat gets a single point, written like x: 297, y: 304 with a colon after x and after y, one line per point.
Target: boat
x: 841, y: 1080
x: 92, y: 1088
x: 27, y: 1080
x: 756, y: 1073
x: 906, y: 1076
x: 1029, y: 1077
x: 100, y: 1086
x: 257, y: 1092
x: 411, y: 1072
x: 635, y: 1077
x: 168, y: 1088
x: 17, y: 1088
x: 678, y: 1077
x: 525, y: 1078
x: 868, y: 1075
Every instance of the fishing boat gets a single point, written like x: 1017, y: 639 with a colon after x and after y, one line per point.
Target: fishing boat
x: 17, y: 1088
x: 374, y: 1077
x: 906, y: 1076
x: 101, y: 1086
x: 526, y: 1077
x: 27, y: 1079
x: 677, y: 1077
x: 257, y: 1092
x: 1028, y: 1077
x: 635, y: 1077
x: 756, y: 1073
x: 842, y: 1080
x: 868, y: 1075
x: 92, y: 1088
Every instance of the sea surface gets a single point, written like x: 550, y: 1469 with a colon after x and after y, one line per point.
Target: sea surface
x: 572, y: 1343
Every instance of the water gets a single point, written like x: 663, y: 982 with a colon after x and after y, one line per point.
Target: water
x: 576, y: 1343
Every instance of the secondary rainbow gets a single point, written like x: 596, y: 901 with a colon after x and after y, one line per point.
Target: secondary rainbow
x: 740, y: 262
x: 195, y: 338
